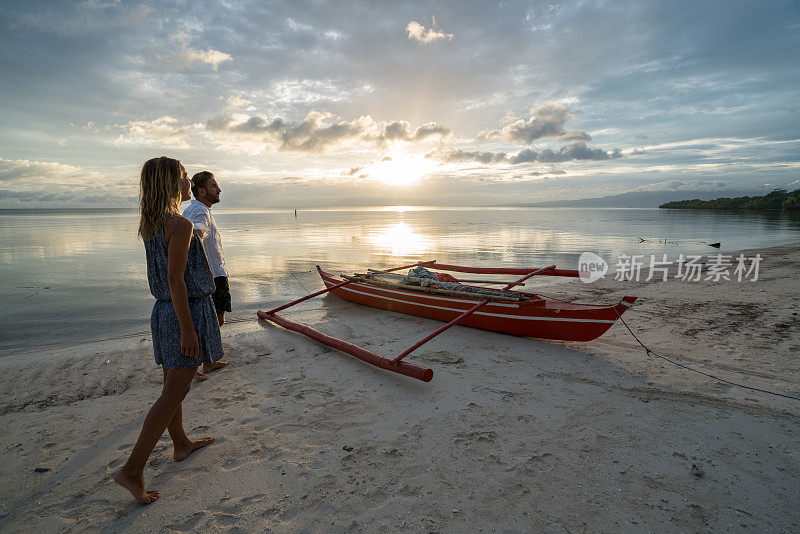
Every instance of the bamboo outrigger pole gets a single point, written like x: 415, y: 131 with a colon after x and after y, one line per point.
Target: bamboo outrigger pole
x: 415, y: 371
x: 418, y: 344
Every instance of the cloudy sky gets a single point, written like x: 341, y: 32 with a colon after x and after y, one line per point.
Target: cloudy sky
x: 302, y: 103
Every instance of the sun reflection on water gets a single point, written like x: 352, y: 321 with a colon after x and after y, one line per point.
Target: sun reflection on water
x: 400, y: 239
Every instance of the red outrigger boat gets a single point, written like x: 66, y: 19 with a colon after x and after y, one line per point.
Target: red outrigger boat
x: 523, y: 314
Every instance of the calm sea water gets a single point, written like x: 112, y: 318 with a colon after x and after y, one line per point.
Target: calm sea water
x: 71, y: 276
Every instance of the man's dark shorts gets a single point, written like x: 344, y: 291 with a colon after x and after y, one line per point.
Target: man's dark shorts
x: 221, y: 295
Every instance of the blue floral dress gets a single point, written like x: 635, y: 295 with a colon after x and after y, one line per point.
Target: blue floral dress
x: 164, y: 322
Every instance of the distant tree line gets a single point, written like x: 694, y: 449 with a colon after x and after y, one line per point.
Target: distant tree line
x: 779, y: 199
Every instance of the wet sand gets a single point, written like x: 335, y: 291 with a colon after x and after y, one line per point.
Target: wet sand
x: 511, y: 434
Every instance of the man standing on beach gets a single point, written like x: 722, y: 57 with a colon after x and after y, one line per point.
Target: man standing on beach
x: 206, y: 193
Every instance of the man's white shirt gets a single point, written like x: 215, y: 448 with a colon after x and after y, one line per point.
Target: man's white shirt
x: 206, y: 226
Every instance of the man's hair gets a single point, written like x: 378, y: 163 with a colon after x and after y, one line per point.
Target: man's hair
x: 199, y: 181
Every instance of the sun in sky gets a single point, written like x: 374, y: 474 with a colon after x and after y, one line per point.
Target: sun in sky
x: 400, y: 169
x: 296, y: 104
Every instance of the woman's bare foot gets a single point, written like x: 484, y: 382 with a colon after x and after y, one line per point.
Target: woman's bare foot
x: 182, y: 453
x: 200, y: 377
x: 136, y: 486
x: 208, y: 367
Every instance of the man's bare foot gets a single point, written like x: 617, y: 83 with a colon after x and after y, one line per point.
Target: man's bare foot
x: 182, y: 453
x: 208, y: 367
x: 136, y: 486
x: 200, y: 377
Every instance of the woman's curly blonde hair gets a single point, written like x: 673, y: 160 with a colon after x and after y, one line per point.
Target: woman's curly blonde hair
x: 159, y: 194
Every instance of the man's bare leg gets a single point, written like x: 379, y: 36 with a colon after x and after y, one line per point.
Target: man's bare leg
x: 208, y: 367
x: 200, y: 377
x: 130, y: 476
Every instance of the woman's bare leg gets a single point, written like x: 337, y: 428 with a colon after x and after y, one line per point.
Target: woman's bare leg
x: 130, y: 476
x: 183, y: 445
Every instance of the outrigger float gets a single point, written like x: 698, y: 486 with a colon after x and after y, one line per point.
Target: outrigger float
x: 507, y: 311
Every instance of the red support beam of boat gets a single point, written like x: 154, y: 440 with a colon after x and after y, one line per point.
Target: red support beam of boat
x: 407, y: 369
x: 340, y: 284
x: 503, y: 270
x: 543, y: 270
x: 418, y: 344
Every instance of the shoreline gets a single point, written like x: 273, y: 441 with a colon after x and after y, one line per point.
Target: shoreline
x: 511, y: 433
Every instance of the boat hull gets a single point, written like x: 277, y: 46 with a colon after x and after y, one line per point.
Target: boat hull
x: 538, y: 318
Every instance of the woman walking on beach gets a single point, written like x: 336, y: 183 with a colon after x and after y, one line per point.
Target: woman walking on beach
x: 184, y: 324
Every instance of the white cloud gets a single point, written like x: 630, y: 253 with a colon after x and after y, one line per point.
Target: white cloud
x: 42, y: 172
x: 210, y: 57
x: 162, y: 130
x: 236, y: 102
x: 306, y: 91
x: 418, y: 32
x: 187, y: 56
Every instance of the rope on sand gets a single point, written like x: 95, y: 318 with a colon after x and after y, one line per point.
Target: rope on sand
x: 298, y: 280
x: 650, y: 352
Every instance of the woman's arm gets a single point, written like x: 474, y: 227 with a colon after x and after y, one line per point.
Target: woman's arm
x: 179, y: 237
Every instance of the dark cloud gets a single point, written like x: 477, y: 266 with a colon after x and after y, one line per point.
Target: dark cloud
x: 352, y: 171
x: 546, y: 120
x: 401, y: 130
x: 396, y: 130
x: 576, y: 135
x: 458, y: 156
x: 574, y: 151
x: 545, y: 173
x: 525, y: 155
x: 430, y: 129
x: 319, y: 131
x: 579, y: 151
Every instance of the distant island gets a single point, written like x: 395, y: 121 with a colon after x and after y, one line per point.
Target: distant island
x: 635, y: 199
x: 779, y: 199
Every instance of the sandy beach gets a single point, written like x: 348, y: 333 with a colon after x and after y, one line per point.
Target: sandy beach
x: 512, y: 435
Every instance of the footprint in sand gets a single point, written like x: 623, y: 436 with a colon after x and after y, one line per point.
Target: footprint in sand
x: 442, y: 357
x: 115, y: 464
x: 187, y: 524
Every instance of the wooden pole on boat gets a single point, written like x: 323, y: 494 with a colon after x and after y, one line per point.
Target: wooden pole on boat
x: 407, y: 369
x: 431, y: 290
x: 371, y: 272
x: 340, y: 284
x: 492, y: 270
x: 418, y: 344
